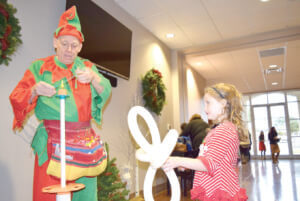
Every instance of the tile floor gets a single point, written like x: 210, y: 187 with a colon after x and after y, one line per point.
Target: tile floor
x: 265, y: 181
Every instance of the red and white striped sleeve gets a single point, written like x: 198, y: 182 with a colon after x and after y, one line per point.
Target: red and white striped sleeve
x: 218, y: 145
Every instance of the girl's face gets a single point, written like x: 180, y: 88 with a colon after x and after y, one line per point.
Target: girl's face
x: 213, y: 108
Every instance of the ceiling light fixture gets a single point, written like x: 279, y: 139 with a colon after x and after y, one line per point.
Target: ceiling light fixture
x: 170, y: 35
x: 273, y: 66
x: 264, y: 0
x: 274, y: 83
x: 273, y: 70
x: 199, y: 64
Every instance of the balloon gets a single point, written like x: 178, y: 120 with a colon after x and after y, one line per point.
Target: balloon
x: 156, y: 153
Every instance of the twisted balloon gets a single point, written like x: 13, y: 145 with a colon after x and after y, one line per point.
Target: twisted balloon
x: 156, y: 153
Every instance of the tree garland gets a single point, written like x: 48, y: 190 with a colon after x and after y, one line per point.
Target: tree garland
x: 9, y: 32
x: 154, y: 91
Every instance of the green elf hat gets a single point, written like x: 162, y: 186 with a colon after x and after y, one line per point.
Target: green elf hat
x: 69, y: 24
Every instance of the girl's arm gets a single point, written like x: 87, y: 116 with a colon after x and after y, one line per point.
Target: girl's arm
x: 189, y: 163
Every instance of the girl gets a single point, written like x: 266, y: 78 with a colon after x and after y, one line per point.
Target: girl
x: 216, y: 177
x: 262, y: 146
x: 273, y: 137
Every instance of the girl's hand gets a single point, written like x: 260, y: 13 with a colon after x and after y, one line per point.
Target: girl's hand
x: 171, y: 163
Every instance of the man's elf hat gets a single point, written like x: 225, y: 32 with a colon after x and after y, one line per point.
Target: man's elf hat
x: 69, y: 24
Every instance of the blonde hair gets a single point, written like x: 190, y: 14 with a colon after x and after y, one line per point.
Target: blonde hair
x: 233, y: 108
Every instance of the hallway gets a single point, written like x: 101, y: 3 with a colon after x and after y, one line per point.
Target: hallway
x: 265, y: 181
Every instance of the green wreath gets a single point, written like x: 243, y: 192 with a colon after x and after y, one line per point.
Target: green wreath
x: 154, y: 91
x: 9, y: 32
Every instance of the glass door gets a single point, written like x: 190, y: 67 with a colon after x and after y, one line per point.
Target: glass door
x: 265, y: 117
x: 294, y: 122
x: 261, y: 123
x: 278, y: 120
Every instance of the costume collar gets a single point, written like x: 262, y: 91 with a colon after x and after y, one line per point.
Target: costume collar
x: 60, y: 64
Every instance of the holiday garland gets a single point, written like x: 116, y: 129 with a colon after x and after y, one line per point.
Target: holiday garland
x: 9, y: 32
x: 154, y: 91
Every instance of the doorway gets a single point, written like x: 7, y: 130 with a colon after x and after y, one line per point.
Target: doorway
x: 266, y: 116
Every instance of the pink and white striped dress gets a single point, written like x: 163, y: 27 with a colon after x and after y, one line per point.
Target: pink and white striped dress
x: 219, y: 153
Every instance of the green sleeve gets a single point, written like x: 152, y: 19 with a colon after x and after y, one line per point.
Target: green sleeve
x: 99, y: 100
x: 39, y: 144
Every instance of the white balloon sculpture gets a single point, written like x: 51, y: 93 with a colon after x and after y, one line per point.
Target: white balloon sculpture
x: 156, y: 153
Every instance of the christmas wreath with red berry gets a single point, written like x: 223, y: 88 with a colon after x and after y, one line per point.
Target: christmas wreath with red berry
x: 9, y: 32
x: 154, y: 91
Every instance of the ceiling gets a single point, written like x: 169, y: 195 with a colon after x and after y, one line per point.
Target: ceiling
x: 231, y: 41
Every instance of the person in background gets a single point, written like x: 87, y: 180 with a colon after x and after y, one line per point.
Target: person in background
x: 196, y: 130
x: 216, y: 177
x: 262, y: 146
x: 87, y: 92
x: 273, y: 138
x: 182, y: 126
x: 245, y: 148
x: 184, y: 140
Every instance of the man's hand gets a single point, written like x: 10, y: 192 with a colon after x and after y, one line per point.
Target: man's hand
x: 85, y: 76
x: 43, y: 89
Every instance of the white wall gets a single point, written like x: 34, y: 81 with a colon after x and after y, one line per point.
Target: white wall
x: 194, y: 93
x: 38, y: 20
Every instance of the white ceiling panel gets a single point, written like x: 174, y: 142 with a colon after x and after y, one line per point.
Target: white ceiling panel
x: 224, y: 64
x: 293, y: 66
x: 160, y: 25
x: 204, y: 67
x: 140, y: 8
x: 292, y: 44
x: 202, y: 33
x: 188, y: 14
x: 247, y: 61
x: 239, y: 28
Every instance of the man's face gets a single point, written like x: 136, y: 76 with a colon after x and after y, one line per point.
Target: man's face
x: 67, y: 48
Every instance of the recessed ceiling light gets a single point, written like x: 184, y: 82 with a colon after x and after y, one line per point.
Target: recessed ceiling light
x: 199, y: 64
x: 273, y: 70
x: 170, y: 35
x: 264, y: 0
x: 273, y: 66
x: 274, y: 83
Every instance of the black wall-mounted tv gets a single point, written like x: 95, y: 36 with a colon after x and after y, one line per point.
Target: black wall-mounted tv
x: 107, y: 42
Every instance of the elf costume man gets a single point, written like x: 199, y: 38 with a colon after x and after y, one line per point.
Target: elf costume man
x: 87, y: 92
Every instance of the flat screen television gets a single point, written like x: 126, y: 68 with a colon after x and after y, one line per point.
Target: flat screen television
x: 107, y: 42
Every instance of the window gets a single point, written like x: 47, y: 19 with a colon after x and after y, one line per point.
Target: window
x: 277, y: 97
x: 259, y: 99
x: 270, y: 109
x: 293, y: 96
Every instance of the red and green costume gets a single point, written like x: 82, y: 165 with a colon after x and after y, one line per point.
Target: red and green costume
x: 82, y: 104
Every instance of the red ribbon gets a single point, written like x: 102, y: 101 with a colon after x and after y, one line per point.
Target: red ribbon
x: 4, y: 12
x: 4, y: 44
x: 4, y: 40
x: 7, y: 31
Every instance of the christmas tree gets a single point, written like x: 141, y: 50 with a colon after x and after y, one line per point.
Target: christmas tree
x: 110, y: 186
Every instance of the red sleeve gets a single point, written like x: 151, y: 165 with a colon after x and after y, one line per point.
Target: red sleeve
x: 218, y: 146
x: 19, y: 99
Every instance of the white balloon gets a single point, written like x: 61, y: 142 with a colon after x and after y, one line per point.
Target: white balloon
x: 156, y: 153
